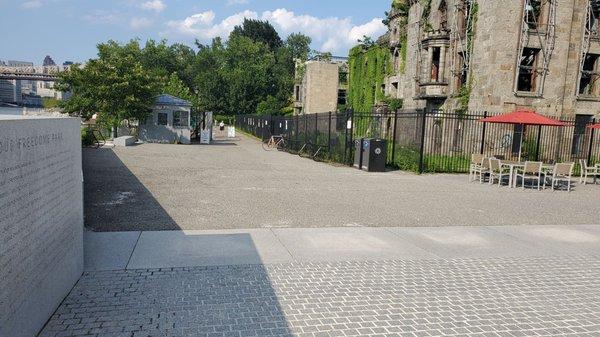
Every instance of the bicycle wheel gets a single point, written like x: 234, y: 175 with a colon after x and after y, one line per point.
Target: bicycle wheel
x: 281, y: 145
x: 269, y: 145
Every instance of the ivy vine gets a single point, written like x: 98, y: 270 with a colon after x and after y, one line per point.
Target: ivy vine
x: 368, y: 68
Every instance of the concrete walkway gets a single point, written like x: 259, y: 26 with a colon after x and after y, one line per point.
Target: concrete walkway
x: 169, y: 249
x: 327, y: 282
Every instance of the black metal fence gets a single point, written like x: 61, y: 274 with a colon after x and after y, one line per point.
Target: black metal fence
x: 423, y: 141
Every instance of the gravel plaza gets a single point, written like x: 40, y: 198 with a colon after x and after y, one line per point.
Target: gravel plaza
x: 231, y: 240
x: 236, y: 184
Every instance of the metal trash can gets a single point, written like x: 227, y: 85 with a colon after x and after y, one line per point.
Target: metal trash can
x: 358, y: 153
x: 374, y: 154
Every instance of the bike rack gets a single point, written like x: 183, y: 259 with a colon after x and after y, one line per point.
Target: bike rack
x: 314, y: 157
x: 302, y: 149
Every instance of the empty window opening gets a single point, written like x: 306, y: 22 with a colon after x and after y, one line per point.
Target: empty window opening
x: 343, y: 77
x: 534, y: 13
x: 435, y: 65
x: 396, y: 60
x: 443, y: 14
x: 462, y: 19
x: 588, y: 83
x: 395, y: 86
x: 594, y: 17
x: 528, y: 70
x: 297, y: 92
x: 462, y: 72
x: 342, y: 97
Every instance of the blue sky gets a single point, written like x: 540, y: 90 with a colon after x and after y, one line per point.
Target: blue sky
x: 70, y: 29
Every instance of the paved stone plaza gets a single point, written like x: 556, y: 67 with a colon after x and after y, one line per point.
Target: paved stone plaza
x: 231, y: 240
x: 445, y: 281
x: 239, y: 185
x: 456, y: 297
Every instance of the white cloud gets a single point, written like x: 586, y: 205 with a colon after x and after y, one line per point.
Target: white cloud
x: 32, y: 4
x: 237, y: 2
x: 332, y: 34
x: 140, y: 23
x: 101, y: 16
x: 202, y: 25
x: 153, y: 5
x: 373, y: 28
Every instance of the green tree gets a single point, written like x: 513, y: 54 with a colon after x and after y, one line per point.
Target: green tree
x: 116, y: 86
x: 258, y: 31
x: 177, y: 88
x: 299, y: 46
x: 209, y: 79
x: 248, y: 74
x: 270, y: 106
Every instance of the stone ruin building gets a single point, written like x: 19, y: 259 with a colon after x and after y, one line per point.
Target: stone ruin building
x: 496, y: 55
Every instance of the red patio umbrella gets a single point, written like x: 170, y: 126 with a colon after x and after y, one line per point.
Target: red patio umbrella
x: 523, y: 117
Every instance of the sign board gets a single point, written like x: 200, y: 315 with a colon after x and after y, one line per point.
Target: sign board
x: 205, y: 136
x: 231, y: 132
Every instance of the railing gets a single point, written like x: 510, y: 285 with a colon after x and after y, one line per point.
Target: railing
x: 422, y: 141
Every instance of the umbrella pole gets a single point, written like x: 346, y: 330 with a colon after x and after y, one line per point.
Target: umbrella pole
x: 521, y: 142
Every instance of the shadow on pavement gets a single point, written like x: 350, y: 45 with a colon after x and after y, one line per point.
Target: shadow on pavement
x: 239, y: 299
x: 115, y: 200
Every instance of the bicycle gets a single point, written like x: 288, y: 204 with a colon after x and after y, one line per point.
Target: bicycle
x: 275, y: 142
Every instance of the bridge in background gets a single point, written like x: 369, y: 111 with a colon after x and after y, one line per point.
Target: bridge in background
x: 36, y: 73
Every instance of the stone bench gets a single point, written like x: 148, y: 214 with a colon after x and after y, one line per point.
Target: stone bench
x: 124, y: 141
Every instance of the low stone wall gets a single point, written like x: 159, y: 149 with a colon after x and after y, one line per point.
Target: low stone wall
x: 41, y: 219
x: 164, y: 134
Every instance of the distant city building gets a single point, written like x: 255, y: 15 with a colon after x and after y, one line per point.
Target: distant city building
x: 2, y: 63
x: 48, y: 61
x: 68, y: 63
x: 321, y: 85
x: 10, y: 91
x: 11, y: 63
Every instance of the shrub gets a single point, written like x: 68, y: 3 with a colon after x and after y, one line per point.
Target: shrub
x: 87, y: 137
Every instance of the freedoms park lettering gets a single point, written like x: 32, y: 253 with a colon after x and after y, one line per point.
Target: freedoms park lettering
x: 14, y: 144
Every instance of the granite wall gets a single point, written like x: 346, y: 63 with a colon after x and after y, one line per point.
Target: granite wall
x: 41, y: 219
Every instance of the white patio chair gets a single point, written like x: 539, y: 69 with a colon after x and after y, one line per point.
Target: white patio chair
x: 560, y: 172
x: 587, y: 171
x: 485, y: 169
x: 497, y: 171
x: 476, y: 166
x: 531, y: 171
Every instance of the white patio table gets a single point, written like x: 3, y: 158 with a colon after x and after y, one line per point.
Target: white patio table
x: 512, y: 165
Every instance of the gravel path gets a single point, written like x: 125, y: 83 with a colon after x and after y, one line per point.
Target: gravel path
x: 239, y: 185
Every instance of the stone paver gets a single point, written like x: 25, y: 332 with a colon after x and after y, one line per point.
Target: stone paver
x: 527, y: 296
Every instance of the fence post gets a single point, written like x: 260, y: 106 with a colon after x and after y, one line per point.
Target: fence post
x: 329, y: 136
x: 590, y: 149
x: 351, y: 131
x: 316, y: 128
x: 537, y: 146
x: 297, y: 121
x: 482, y: 149
x: 422, y: 150
x: 394, y: 138
x: 305, y: 129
